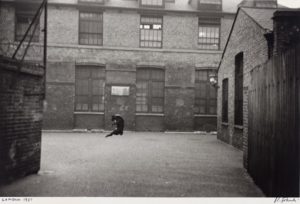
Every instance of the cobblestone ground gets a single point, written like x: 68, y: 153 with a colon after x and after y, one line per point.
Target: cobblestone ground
x: 136, y: 165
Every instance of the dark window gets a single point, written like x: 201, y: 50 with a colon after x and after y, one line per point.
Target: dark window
x: 209, y: 34
x: 90, y: 28
x: 225, y: 100
x: 89, y: 88
x: 150, y: 91
x: 205, y: 94
x: 151, y: 32
x: 23, y: 20
x: 210, y: 4
x: 238, y: 98
x: 152, y: 3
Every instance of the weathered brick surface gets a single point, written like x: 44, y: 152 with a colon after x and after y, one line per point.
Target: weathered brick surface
x: 21, y: 107
x: 180, y: 32
x: 247, y: 37
x: 116, y: 26
x: 207, y: 124
x: 60, y: 91
x: 120, y: 51
x: 63, y: 25
x: 179, y: 112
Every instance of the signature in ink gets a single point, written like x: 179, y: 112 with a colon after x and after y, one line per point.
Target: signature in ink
x: 284, y: 199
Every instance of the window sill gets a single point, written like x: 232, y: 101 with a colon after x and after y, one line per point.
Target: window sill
x: 239, y: 127
x: 225, y: 124
x: 205, y: 115
x: 150, y: 114
x: 89, y: 113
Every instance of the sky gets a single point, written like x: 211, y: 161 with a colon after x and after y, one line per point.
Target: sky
x: 290, y: 3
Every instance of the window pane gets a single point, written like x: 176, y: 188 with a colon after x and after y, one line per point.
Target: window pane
x: 209, y: 34
x: 150, y: 90
x: 151, y: 2
x: 90, y: 28
x: 151, y: 32
x: 205, y: 93
x: 89, y: 88
x: 23, y: 22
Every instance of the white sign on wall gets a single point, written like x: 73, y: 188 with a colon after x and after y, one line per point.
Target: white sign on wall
x: 120, y: 90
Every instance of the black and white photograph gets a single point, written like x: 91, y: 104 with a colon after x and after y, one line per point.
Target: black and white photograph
x: 149, y: 99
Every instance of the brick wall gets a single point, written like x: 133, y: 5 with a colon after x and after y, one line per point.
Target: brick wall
x: 247, y: 37
x: 180, y: 32
x: 116, y: 27
x: 21, y: 106
x: 121, y: 55
x: 63, y: 25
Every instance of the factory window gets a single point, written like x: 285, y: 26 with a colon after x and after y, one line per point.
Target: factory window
x: 150, y: 90
x: 209, y: 34
x: 23, y: 20
x: 205, y: 94
x: 90, y: 28
x: 238, y: 97
x: 225, y: 100
x: 210, y: 4
x: 151, y: 32
x: 89, y: 88
x: 152, y: 3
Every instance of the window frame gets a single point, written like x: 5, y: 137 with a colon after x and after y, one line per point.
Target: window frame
x: 208, y: 96
x: 152, y: 6
x: 90, y: 94
x: 210, y: 6
x: 28, y: 14
x: 238, y: 89
x: 79, y: 26
x: 150, y: 97
x: 225, y: 96
x: 212, y: 23
x: 140, y: 29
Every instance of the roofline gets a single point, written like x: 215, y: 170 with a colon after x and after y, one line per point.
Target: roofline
x: 256, y: 21
x: 229, y: 36
x: 139, y: 9
x: 233, y: 24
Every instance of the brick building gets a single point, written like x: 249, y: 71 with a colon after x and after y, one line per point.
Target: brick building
x: 146, y: 60
x: 247, y: 47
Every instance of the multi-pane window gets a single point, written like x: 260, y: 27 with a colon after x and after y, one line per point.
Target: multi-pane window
x: 23, y: 21
x: 152, y: 3
x: 209, y: 34
x: 150, y: 90
x: 225, y: 100
x: 90, y: 28
x: 151, y: 32
x: 89, y: 88
x: 210, y: 4
x: 238, y: 98
x: 266, y: 4
x: 205, y: 94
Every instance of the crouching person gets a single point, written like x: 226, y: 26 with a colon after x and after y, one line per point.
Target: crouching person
x: 118, y: 121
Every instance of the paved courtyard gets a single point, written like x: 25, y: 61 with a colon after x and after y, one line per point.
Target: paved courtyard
x: 136, y: 165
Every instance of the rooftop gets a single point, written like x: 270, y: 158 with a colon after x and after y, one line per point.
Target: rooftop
x: 262, y: 16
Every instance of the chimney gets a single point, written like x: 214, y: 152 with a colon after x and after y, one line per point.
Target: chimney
x: 286, y: 29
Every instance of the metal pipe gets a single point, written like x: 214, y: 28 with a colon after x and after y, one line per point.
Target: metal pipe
x: 45, y: 43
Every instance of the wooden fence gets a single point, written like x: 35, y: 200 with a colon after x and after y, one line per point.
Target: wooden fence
x: 273, y: 151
